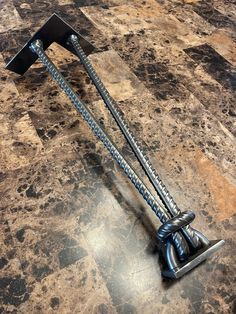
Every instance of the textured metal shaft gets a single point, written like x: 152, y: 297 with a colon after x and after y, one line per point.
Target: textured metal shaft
x: 180, y: 243
x: 143, y: 159
x: 175, y: 224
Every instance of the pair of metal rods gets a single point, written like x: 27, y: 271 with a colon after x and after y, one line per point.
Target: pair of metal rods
x: 154, y: 178
x: 171, y: 225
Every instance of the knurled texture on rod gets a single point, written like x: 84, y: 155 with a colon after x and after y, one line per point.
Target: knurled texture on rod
x: 180, y: 243
x: 143, y: 159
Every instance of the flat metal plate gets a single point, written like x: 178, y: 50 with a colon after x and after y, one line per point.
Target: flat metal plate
x: 193, y: 261
x: 54, y: 30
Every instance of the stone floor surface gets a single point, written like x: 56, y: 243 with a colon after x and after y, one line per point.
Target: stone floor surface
x: 75, y: 236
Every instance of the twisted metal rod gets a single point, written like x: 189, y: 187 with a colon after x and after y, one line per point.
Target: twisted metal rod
x: 179, y: 241
x: 154, y: 178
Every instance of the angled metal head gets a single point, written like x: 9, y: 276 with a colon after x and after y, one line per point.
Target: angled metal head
x: 201, y: 255
x: 54, y: 30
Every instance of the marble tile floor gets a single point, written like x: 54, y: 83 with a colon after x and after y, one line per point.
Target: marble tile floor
x: 75, y: 236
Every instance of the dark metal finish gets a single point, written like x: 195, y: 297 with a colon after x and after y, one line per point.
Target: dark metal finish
x: 174, y: 224
x: 151, y: 173
x: 54, y: 30
x: 175, y: 233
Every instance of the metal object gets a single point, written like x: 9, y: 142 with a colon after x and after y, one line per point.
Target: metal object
x: 139, y: 153
x: 183, y: 247
x: 54, y: 30
x: 160, y: 211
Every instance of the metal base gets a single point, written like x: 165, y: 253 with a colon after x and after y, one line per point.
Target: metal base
x: 193, y: 261
x: 54, y: 30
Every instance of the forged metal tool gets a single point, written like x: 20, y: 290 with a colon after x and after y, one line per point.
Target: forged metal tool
x: 183, y: 247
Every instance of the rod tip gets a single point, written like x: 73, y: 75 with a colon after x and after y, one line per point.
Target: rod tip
x: 36, y: 44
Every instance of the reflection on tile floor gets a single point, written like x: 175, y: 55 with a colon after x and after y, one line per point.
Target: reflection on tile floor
x: 75, y: 237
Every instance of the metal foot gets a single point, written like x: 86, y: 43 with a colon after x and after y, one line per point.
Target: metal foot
x: 177, y: 269
x: 54, y: 30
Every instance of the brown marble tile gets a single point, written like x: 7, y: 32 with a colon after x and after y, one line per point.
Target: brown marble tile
x: 218, y: 186
x: 212, y: 15
x: 12, y: 41
x: 77, y: 282
x: 20, y: 144
x: 123, y: 19
x: 124, y: 263
x: 192, y: 22
x: 200, y: 78
x: 224, y: 45
x: 203, y: 196
x: 169, y: 123
x: 10, y: 18
x: 154, y: 300
x: 118, y: 79
x: 214, y: 64
x: 8, y: 91
x: 146, y: 56
x: 226, y: 7
x: 46, y: 252
x: 14, y: 287
x: 75, y: 236
x: 64, y: 2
